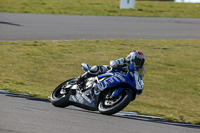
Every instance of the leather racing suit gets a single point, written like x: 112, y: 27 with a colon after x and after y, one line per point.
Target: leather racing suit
x: 120, y: 64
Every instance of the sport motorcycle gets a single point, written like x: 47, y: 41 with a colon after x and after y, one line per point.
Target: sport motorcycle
x: 107, y: 93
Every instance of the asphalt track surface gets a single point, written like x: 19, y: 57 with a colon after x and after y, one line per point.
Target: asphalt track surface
x: 23, y: 114
x: 67, y: 27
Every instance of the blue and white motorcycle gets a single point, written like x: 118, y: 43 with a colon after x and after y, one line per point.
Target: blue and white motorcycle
x: 108, y: 93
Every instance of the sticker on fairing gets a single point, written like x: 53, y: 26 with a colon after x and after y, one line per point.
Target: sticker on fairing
x: 102, y: 85
x: 120, y: 77
x: 73, y: 97
x: 138, y: 81
x: 96, y: 91
x: 86, y: 98
x: 116, y: 79
x: 111, y: 80
x: 79, y: 98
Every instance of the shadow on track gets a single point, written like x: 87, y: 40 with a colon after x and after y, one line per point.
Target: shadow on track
x: 8, y: 23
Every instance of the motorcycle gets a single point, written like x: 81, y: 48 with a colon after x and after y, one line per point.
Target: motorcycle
x: 108, y: 93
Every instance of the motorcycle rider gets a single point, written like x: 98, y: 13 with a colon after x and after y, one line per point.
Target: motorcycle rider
x: 135, y: 58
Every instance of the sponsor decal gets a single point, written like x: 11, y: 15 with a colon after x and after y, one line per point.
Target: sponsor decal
x: 116, y: 79
x: 94, y: 99
x: 136, y: 73
x: 79, y: 98
x: 132, y: 74
x: 139, y: 82
x: 102, y: 85
x: 111, y: 80
x: 73, y: 97
x: 120, y: 77
x: 96, y: 91
x: 86, y: 98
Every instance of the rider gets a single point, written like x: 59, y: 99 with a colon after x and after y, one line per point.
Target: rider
x: 135, y: 58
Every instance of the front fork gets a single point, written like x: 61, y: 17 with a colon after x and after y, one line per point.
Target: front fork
x: 118, y: 91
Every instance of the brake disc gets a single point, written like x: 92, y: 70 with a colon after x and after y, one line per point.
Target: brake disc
x: 111, y: 102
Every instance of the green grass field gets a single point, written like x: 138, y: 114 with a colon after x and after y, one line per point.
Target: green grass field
x: 102, y: 7
x: 172, y: 87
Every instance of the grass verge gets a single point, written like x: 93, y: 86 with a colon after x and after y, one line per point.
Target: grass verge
x: 100, y: 7
x: 172, y: 88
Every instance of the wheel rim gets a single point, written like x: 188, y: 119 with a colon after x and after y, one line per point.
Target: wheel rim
x: 122, y: 102
x: 109, y: 103
x: 112, y: 102
x: 60, y: 92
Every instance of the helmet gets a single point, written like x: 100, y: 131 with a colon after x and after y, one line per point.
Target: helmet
x: 136, y: 58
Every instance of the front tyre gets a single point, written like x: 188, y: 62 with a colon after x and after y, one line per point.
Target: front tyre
x: 58, y: 99
x: 122, y: 101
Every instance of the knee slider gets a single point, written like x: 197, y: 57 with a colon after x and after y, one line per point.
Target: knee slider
x: 94, y: 69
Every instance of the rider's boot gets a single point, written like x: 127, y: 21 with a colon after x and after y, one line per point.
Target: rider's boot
x: 82, y: 78
x: 94, y: 71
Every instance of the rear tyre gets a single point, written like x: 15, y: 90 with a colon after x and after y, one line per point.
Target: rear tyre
x: 123, y: 100
x: 58, y: 99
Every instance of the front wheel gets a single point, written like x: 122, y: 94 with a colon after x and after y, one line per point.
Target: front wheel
x: 57, y: 98
x: 109, y: 107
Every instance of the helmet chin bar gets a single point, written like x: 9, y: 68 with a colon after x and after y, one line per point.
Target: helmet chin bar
x: 137, y: 59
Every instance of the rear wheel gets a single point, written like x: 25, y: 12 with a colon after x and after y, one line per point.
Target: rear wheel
x: 112, y: 106
x: 60, y: 96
